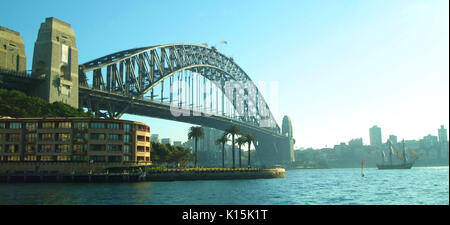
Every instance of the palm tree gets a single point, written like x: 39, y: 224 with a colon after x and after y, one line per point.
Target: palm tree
x: 233, y: 130
x: 241, y: 141
x: 249, y: 138
x: 196, y: 133
x: 222, y: 140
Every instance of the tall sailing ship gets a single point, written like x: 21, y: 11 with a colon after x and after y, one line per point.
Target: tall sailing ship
x: 405, y: 164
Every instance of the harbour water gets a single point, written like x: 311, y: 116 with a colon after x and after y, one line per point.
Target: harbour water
x: 417, y: 186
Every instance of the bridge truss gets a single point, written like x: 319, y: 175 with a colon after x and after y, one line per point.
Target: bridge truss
x: 185, y: 77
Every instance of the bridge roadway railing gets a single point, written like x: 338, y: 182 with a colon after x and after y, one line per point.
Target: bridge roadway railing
x: 111, y: 100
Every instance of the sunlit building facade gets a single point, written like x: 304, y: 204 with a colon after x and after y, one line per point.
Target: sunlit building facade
x: 73, y: 140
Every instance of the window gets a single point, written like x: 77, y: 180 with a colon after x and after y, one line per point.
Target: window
x: 98, y: 158
x: 95, y: 136
x: 47, y: 158
x: 1, y: 148
x: 97, y: 147
x: 140, y: 158
x: 30, y: 158
x: 126, y: 149
x: 115, y: 148
x: 79, y: 137
x: 11, y: 148
x: 13, y: 158
x: 142, y: 128
x: 13, y: 137
x: 140, y: 149
x: 77, y: 158
x: 113, y: 158
x: 127, y: 127
x: 63, y: 137
x: 147, y: 139
x: 46, y: 137
x: 64, y: 125
x: 30, y: 137
x: 147, y: 149
x: 97, y: 125
x: 30, y: 148
x: 2, y: 136
x: 78, y: 148
x: 113, y: 137
x: 48, y: 125
x: 62, y: 148
x: 44, y: 148
x: 114, y: 126
x: 31, y: 126
x: 15, y: 125
x: 126, y: 138
x: 126, y: 158
x: 63, y: 158
x: 80, y: 125
x: 2, y: 125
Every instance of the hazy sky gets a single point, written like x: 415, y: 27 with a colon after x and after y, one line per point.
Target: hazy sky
x: 340, y: 66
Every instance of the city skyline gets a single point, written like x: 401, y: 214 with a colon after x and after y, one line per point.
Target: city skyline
x: 340, y: 67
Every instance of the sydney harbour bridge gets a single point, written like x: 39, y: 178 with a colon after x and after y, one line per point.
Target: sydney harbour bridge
x: 182, y: 82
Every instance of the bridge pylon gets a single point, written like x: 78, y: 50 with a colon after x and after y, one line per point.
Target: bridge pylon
x: 56, y: 59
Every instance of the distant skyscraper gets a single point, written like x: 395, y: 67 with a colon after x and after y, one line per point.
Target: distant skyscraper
x: 358, y: 142
x: 177, y: 143
x: 443, y: 141
x: 166, y: 141
x: 442, y: 133
x: 375, y: 136
x: 155, y: 138
x: 430, y: 141
x: 393, y: 139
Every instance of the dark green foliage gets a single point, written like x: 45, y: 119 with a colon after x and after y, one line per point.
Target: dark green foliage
x: 165, y: 154
x: 19, y: 105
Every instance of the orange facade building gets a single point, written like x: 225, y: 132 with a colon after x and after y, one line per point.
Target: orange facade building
x: 76, y: 140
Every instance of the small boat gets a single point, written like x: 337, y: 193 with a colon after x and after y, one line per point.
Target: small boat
x: 404, y: 165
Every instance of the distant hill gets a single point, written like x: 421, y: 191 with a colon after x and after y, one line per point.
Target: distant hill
x: 18, y: 105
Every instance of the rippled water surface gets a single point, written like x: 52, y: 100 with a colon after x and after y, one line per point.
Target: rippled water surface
x: 417, y: 186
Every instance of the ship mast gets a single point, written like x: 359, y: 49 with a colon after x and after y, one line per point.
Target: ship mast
x: 391, y: 151
x: 404, y: 153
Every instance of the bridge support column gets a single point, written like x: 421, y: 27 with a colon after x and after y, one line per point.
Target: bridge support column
x: 56, y: 59
x: 275, y: 150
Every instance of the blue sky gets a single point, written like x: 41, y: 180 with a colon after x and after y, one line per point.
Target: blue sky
x: 340, y: 66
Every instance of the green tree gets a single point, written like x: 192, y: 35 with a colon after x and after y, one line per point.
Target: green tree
x: 222, y: 140
x: 249, y: 138
x: 179, y: 156
x: 233, y: 130
x: 17, y: 104
x: 241, y: 141
x: 160, y: 153
x: 196, y: 133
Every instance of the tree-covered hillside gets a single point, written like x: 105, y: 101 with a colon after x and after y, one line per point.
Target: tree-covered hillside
x: 19, y: 105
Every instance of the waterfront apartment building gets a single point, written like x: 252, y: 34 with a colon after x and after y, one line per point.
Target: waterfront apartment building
x: 375, y: 136
x: 73, y: 140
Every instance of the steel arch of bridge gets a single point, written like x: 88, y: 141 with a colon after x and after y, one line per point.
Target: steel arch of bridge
x: 136, y: 71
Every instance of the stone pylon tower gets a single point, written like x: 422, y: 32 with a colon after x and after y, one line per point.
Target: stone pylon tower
x: 286, y: 130
x: 12, y: 51
x: 56, y: 59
